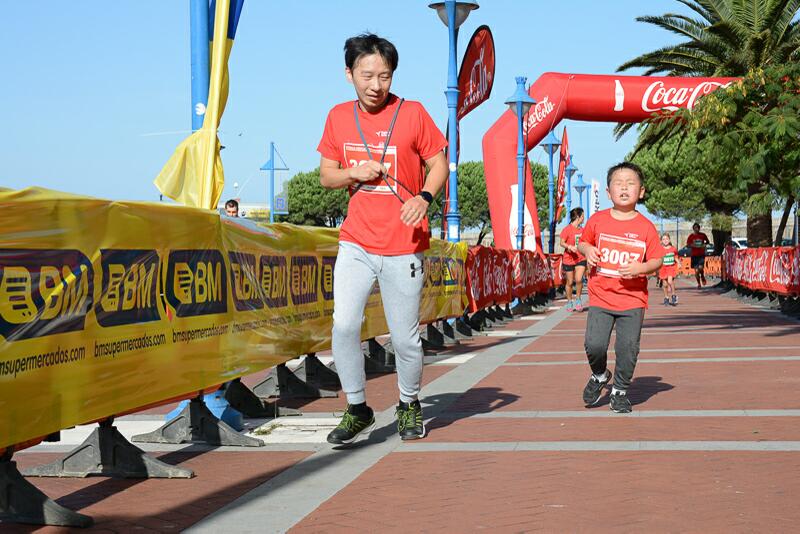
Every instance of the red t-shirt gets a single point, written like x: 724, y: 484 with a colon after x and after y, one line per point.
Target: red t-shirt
x: 669, y: 267
x: 572, y: 236
x: 697, y: 243
x: 373, y: 214
x: 620, y: 242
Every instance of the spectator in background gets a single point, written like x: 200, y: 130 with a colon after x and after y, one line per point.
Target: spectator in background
x: 232, y: 208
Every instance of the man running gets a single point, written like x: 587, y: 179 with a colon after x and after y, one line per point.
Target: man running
x: 697, y: 242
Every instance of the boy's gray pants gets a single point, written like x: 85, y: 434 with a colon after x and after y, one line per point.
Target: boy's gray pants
x: 599, y: 324
x: 400, y: 279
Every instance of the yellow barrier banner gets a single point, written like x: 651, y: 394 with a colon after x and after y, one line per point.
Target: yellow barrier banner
x: 107, y: 307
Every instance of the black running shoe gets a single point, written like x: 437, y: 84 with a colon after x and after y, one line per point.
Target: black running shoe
x: 620, y: 403
x: 409, y: 421
x: 594, y: 389
x: 350, y: 427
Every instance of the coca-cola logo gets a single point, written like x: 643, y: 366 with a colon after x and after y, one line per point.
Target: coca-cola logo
x: 657, y: 97
x: 539, y: 113
x: 480, y: 80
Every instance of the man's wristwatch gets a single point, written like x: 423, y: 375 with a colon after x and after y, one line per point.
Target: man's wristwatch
x: 427, y: 197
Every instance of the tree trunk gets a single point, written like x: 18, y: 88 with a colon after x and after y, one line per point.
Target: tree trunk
x: 482, y: 233
x: 784, y: 218
x: 720, y: 239
x: 759, y: 227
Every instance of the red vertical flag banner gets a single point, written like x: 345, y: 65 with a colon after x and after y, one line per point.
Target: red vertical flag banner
x: 563, y: 163
x: 475, y: 81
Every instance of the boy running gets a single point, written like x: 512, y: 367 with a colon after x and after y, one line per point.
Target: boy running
x: 574, y: 262
x: 668, y: 271
x: 378, y: 146
x: 621, y: 247
x: 697, y: 242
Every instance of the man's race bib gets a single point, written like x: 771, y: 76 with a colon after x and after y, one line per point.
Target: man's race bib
x: 697, y: 243
x: 616, y: 251
x: 357, y: 155
x: 669, y: 259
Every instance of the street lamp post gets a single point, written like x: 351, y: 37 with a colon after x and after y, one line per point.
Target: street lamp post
x: 550, y: 145
x: 453, y: 13
x: 520, y: 103
x: 568, y: 172
x: 580, y: 186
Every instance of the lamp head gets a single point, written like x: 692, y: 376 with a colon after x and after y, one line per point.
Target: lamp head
x: 520, y: 95
x: 550, y: 143
x: 463, y: 7
x: 571, y: 169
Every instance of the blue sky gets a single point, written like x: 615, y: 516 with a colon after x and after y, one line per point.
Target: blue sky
x: 92, y: 86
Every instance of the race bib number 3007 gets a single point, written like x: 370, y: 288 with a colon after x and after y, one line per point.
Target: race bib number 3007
x: 616, y: 251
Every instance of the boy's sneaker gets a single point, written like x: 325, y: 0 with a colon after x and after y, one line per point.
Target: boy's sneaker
x: 594, y: 389
x: 351, y: 426
x: 666, y: 301
x: 620, y: 403
x: 409, y: 420
x: 674, y: 300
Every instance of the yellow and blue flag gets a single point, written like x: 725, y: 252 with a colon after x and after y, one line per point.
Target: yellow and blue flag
x: 194, y: 175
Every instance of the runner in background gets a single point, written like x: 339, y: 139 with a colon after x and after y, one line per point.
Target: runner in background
x: 574, y: 263
x: 697, y: 242
x: 622, y: 248
x: 668, y: 271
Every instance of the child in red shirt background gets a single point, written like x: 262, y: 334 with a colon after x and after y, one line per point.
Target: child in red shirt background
x: 574, y: 263
x: 668, y: 271
x: 621, y: 247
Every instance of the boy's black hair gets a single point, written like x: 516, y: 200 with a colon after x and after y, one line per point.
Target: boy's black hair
x: 232, y: 203
x: 625, y: 165
x: 366, y: 44
x: 575, y: 213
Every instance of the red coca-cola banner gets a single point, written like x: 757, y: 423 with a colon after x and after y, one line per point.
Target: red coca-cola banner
x: 563, y: 163
x: 773, y: 269
x: 579, y: 97
x: 557, y: 269
x: 497, y: 276
x: 476, y: 76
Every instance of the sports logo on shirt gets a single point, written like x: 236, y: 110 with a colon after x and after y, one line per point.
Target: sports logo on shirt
x: 356, y: 154
x: 617, y: 251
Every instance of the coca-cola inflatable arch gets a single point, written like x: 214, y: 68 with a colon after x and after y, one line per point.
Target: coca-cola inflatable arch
x: 582, y: 97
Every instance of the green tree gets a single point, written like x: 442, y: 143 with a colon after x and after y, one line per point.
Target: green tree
x: 311, y: 204
x: 727, y: 38
x: 473, y: 204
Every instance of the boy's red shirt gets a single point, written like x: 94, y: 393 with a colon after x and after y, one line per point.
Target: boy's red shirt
x: 620, y: 242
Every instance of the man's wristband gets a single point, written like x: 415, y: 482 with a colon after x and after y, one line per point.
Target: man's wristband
x: 427, y: 197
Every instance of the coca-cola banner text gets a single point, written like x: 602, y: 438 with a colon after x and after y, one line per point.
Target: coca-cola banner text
x: 563, y: 163
x: 497, y: 276
x: 476, y: 77
x: 579, y: 97
x: 771, y: 269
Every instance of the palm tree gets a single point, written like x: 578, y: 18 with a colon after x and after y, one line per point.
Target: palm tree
x: 725, y: 38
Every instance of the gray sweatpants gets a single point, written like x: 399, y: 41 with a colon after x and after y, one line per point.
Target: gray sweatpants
x: 400, y: 279
x: 599, y: 324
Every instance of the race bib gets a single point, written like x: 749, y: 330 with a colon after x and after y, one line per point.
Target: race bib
x: 577, y: 239
x: 698, y: 243
x: 357, y: 155
x: 669, y: 259
x: 616, y: 251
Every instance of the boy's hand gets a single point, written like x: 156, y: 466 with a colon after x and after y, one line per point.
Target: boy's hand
x: 592, y: 255
x: 367, y: 172
x: 631, y: 269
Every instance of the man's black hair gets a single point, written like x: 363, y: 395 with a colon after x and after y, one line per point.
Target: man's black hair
x: 366, y: 44
x: 232, y: 203
x: 575, y: 214
x: 625, y: 165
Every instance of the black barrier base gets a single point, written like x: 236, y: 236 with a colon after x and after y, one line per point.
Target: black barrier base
x: 287, y: 384
x: 522, y: 308
x: 106, y: 452
x: 242, y: 399
x: 197, y: 424
x: 22, y: 502
x: 451, y: 337
x: 319, y: 373
x: 462, y: 329
x: 432, y: 338
x: 478, y: 321
x: 507, y: 312
x: 379, y: 359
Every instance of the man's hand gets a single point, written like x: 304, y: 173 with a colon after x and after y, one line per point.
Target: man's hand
x: 367, y: 172
x: 631, y: 269
x: 592, y: 255
x: 413, y: 211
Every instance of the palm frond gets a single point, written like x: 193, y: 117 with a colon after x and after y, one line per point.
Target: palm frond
x: 700, y: 10
x: 671, y: 24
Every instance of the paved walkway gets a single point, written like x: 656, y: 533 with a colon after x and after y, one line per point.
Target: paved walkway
x: 713, y: 444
